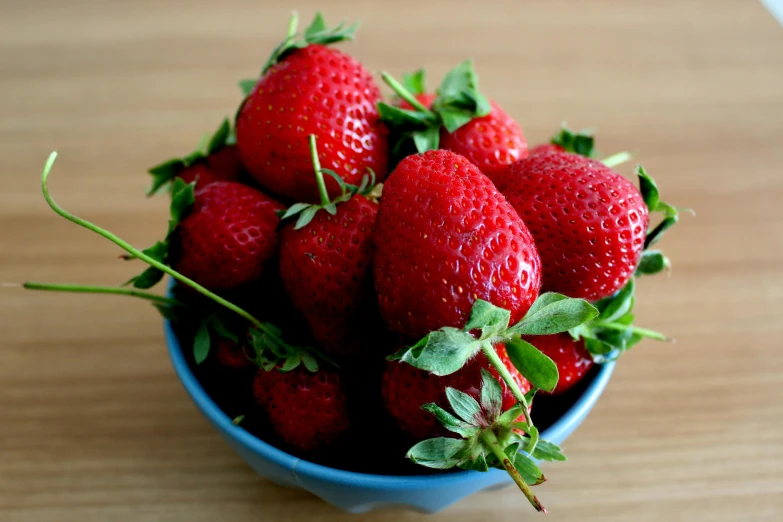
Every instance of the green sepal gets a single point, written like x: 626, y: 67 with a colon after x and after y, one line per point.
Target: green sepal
x: 464, y: 405
x: 247, y: 85
x: 458, y: 99
x: 491, y: 396
x: 582, y: 142
x: 652, y: 199
x: 316, y: 33
x: 201, y: 343
x: 652, y: 262
x: 437, y: 453
x: 553, y: 313
x: 528, y: 469
x: 415, y: 82
x: 441, y: 352
x: 449, y: 421
x: 533, y: 364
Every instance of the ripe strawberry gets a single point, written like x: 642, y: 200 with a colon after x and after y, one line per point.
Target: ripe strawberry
x: 219, y: 161
x: 308, y: 410
x: 405, y: 389
x: 326, y: 266
x: 588, y: 221
x: 305, y: 89
x: 232, y: 354
x: 566, y: 140
x: 459, y: 119
x: 572, y: 359
x: 546, y: 148
x: 227, y: 237
x: 446, y: 237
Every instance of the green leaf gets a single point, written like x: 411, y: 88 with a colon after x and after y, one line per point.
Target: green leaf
x: 526, y: 467
x: 511, y: 415
x: 427, y: 139
x: 488, y: 318
x: 247, y: 85
x: 437, y: 453
x: 652, y: 262
x: 201, y: 343
x: 599, y: 349
x: 415, y: 82
x: 655, y: 234
x: 293, y: 210
x: 290, y: 363
x: 581, y: 142
x: 406, y: 119
x: 182, y: 197
x: 648, y: 188
x: 221, y: 329
x: 475, y: 463
x: 464, y: 406
x: 310, y: 363
x: 306, y: 217
x: 147, y: 279
x: 453, y: 119
x: 449, y: 421
x: 458, y: 96
x: 219, y: 138
x: 442, y: 352
x: 556, y: 313
x: 619, y: 304
x: 164, y: 173
x: 318, y: 25
x: 536, y: 367
x: 491, y: 396
x: 548, y: 451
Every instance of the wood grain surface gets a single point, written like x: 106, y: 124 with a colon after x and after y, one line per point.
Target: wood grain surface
x: 93, y: 424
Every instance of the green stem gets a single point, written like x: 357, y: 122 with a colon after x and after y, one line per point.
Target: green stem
x: 319, y: 175
x: 403, y: 93
x: 491, y: 442
x: 644, y: 332
x: 141, y: 255
x: 293, y: 22
x: 91, y: 289
x: 617, y: 159
x: 494, y: 360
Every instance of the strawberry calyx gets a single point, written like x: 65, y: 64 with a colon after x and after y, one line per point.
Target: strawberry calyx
x: 182, y: 197
x: 317, y: 33
x: 165, y: 172
x: 307, y: 211
x: 581, y: 142
x: 612, y: 332
x: 490, y: 438
x: 457, y: 102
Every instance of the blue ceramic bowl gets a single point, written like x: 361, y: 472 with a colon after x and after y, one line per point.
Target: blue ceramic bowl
x: 362, y: 492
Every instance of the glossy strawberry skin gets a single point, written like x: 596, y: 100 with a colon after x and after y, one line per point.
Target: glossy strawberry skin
x: 223, y: 165
x: 227, y: 237
x: 546, y: 148
x: 308, y: 410
x: 314, y: 90
x: 589, y: 222
x: 405, y: 389
x: 326, y: 267
x: 491, y: 142
x: 445, y: 237
x: 572, y: 359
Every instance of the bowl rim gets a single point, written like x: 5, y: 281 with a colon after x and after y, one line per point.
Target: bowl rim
x: 303, y: 468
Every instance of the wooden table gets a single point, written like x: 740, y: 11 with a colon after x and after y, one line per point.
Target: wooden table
x: 93, y: 424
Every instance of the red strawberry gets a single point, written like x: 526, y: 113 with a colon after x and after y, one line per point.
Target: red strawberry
x: 446, y: 237
x: 588, y: 221
x: 223, y: 165
x: 228, y: 235
x: 326, y: 266
x: 232, y: 354
x: 491, y: 142
x: 406, y: 389
x: 308, y: 410
x: 458, y: 119
x: 546, y: 148
x: 311, y: 90
x: 572, y: 359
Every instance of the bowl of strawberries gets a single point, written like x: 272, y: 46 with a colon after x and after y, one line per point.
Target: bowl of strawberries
x: 392, y: 302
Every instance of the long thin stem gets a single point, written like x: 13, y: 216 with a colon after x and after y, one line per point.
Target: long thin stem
x: 93, y: 289
x: 644, y: 332
x: 403, y: 93
x: 141, y: 255
x: 617, y: 159
x: 489, y: 439
x: 319, y: 175
x: 494, y: 360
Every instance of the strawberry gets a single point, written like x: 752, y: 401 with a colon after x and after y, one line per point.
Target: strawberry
x: 405, y: 389
x: 326, y: 266
x: 218, y: 161
x: 307, y: 88
x: 571, y: 357
x: 588, y: 221
x: 308, y: 410
x: 566, y: 140
x: 227, y: 237
x: 231, y: 354
x: 546, y: 148
x: 445, y: 238
x: 460, y: 119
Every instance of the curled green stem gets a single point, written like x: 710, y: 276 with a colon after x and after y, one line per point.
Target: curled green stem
x: 489, y: 439
x: 135, y: 252
x: 93, y: 289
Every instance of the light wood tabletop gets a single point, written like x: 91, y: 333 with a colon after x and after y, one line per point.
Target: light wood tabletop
x: 94, y: 426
